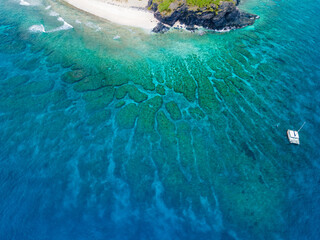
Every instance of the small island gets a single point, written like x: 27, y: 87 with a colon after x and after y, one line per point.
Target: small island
x: 222, y: 15
x: 160, y: 15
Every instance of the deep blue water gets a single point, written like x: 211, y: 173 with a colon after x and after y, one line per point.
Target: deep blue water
x: 173, y: 136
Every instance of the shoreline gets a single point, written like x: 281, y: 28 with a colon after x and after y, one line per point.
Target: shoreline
x: 128, y: 13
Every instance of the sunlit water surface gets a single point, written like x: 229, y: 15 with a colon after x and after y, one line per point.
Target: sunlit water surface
x: 109, y: 132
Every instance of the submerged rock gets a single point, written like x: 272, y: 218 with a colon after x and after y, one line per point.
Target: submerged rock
x: 127, y: 115
x: 173, y: 110
x: 133, y: 93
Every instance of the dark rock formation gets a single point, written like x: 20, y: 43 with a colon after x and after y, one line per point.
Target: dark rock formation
x: 224, y: 17
x: 160, y: 28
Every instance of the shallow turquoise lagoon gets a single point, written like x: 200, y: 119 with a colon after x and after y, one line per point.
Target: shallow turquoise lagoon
x: 109, y: 132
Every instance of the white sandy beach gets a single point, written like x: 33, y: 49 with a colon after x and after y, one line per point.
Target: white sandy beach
x: 130, y: 13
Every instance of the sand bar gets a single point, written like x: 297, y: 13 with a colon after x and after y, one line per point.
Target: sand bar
x: 130, y: 13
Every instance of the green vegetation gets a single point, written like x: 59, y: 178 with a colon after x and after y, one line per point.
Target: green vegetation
x: 164, y: 5
x: 203, y: 3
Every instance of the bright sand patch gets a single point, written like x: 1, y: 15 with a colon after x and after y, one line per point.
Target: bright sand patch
x: 130, y: 13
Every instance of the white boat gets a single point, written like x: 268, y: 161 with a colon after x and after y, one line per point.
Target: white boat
x: 293, y: 137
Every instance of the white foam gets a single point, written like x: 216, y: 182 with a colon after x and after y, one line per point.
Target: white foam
x: 24, y: 3
x: 224, y: 30
x: 30, y: 3
x: 94, y: 26
x: 54, y: 14
x: 47, y: 8
x: 37, y: 28
x: 116, y: 37
x: 78, y: 21
x: 65, y: 26
x: 41, y: 28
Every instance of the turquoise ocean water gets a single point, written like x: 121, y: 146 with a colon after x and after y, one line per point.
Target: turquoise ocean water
x: 109, y: 132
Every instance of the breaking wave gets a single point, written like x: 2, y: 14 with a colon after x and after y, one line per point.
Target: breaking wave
x: 41, y: 29
x: 37, y: 28
x: 24, y: 3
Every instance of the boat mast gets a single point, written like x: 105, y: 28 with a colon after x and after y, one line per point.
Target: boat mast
x: 302, y: 126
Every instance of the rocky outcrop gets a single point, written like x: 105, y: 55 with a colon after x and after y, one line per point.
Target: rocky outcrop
x: 160, y: 28
x: 225, y: 16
